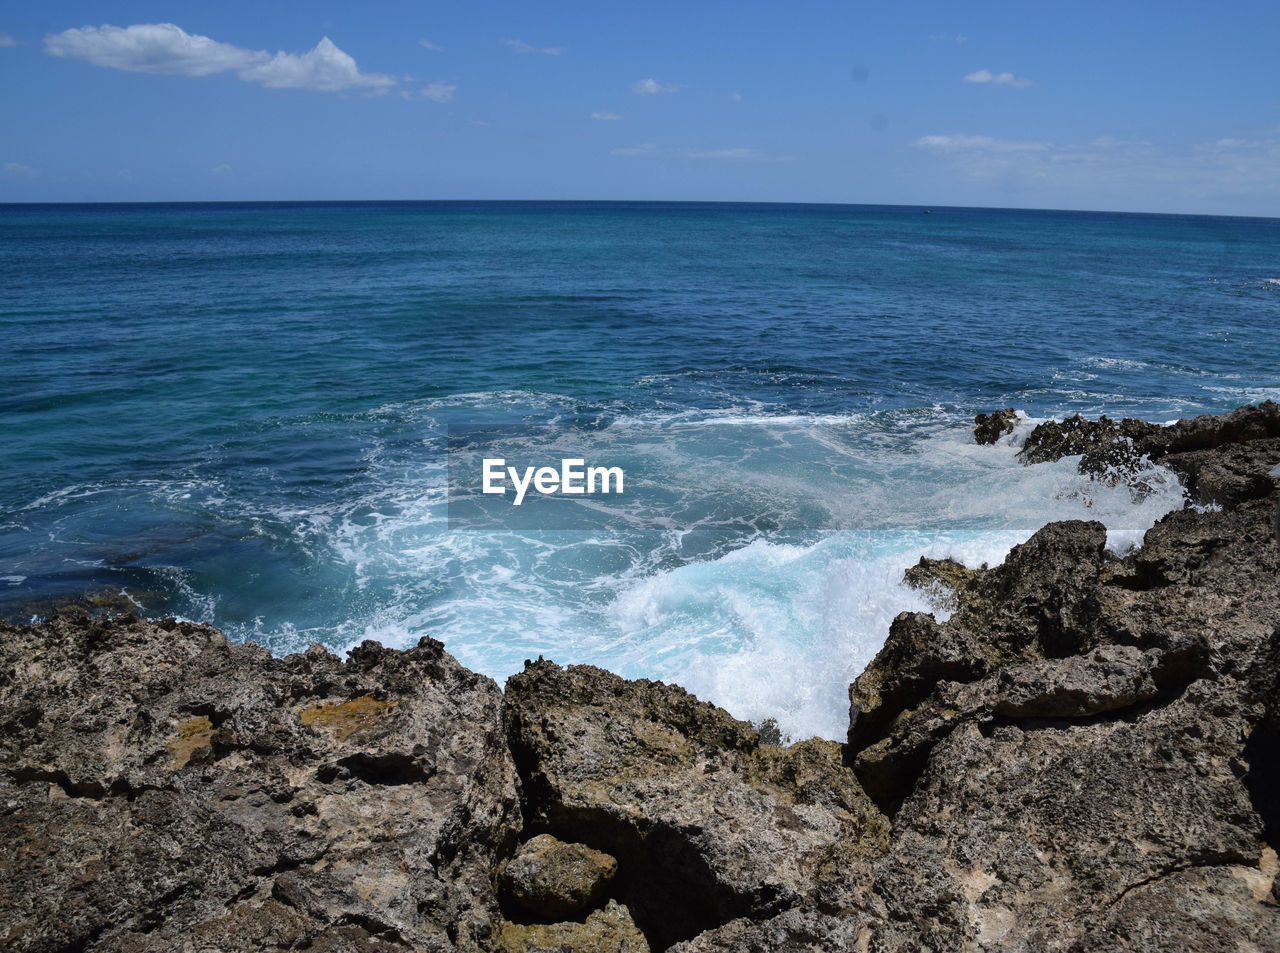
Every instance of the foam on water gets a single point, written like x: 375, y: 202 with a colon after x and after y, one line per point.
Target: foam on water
x: 768, y: 625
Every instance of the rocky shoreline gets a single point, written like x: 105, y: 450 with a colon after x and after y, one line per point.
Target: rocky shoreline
x: 1084, y: 756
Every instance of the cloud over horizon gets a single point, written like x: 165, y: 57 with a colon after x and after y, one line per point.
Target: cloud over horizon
x: 167, y: 49
x: 1206, y: 171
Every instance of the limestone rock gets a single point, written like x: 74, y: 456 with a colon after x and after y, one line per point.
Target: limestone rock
x: 610, y: 930
x: 160, y: 783
x: 554, y: 880
x: 706, y: 823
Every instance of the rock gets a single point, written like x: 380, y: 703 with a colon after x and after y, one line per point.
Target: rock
x: 1246, y: 441
x: 1095, y: 769
x: 917, y: 656
x: 1230, y: 475
x: 1208, y: 431
x: 940, y: 580
x: 161, y: 784
x: 555, y: 881
x: 988, y: 428
x: 1053, y: 440
x: 610, y: 930
x: 795, y: 931
x: 707, y: 824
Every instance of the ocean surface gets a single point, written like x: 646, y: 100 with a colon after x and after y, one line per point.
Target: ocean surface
x: 240, y: 414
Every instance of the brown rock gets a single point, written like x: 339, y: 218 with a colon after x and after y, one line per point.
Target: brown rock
x: 554, y: 880
x: 161, y: 783
x: 706, y: 823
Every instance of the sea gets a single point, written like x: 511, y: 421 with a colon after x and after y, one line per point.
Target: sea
x: 247, y: 414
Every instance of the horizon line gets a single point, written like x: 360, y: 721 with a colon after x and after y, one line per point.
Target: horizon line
x: 923, y: 207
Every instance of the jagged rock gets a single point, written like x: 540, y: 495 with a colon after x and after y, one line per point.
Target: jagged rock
x: 1104, y: 774
x: 918, y: 654
x: 554, y: 880
x: 988, y: 428
x: 160, y: 783
x: 1040, y: 601
x: 795, y: 931
x: 1117, y: 450
x: 1053, y: 440
x: 1230, y: 475
x: 706, y: 823
x: 1209, y: 431
x: 610, y: 930
x: 940, y: 580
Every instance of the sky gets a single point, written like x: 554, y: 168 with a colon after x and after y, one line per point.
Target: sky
x: 1131, y: 106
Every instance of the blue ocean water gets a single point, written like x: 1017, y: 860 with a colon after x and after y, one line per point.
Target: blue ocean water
x: 238, y: 414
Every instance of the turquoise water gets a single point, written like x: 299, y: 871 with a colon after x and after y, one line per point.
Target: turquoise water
x: 238, y: 413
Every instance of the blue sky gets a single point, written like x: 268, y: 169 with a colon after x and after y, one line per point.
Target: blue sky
x: 1164, y: 107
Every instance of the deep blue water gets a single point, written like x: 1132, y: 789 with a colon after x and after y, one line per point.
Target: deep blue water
x: 237, y: 413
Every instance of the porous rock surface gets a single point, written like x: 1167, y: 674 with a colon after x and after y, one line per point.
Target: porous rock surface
x: 163, y: 789
x: 554, y: 880
x: 707, y: 824
x: 1084, y: 755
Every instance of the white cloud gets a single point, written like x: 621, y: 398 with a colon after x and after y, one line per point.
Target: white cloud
x: 959, y: 143
x: 605, y: 116
x: 428, y: 45
x: 520, y: 46
x: 958, y: 38
x: 436, y: 92
x: 1107, y: 172
x: 650, y: 87
x: 168, y: 49
x: 736, y: 96
x: 222, y: 169
x: 325, y: 69
x: 150, y: 48
x: 17, y: 169
x: 7, y: 40
x: 479, y: 122
x: 996, y: 79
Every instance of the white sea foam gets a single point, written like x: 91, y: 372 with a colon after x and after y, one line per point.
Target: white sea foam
x: 766, y: 622
x: 763, y: 626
